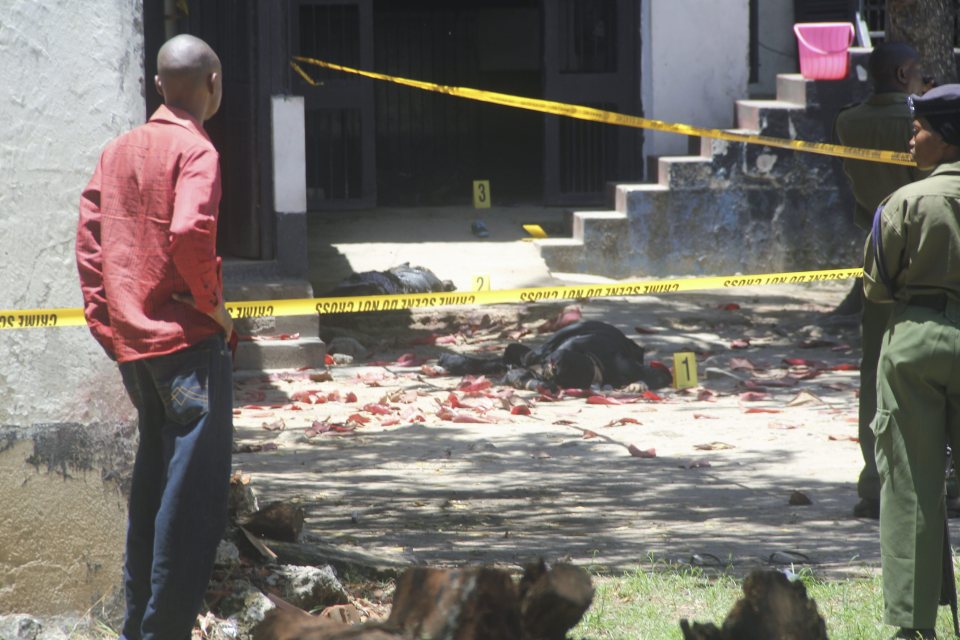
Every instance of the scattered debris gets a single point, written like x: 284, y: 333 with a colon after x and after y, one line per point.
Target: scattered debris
x: 713, y: 446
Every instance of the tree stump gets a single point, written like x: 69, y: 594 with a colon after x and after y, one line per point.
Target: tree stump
x: 459, y: 604
x: 552, y: 601
x: 277, y: 521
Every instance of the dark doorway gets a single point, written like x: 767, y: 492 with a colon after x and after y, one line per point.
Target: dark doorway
x: 230, y: 27
x: 430, y: 147
x: 591, y: 58
x: 339, y: 115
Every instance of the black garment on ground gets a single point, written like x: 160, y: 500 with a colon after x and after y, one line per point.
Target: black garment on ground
x: 367, y: 283
x: 578, y: 356
x: 401, y: 279
x: 590, y: 352
x: 461, y: 364
x: 419, y: 279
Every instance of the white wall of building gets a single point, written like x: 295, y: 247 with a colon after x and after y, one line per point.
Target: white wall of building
x: 777, y: 46
x: 72, y: 78
x: 694, y: 66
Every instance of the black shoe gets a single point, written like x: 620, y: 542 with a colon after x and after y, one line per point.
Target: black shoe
x: 479, y: 229
x: 867, y: 508
x: 914, y: 633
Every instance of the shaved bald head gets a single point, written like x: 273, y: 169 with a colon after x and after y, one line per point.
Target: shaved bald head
x: 188, y: 75
x: 186, y: 57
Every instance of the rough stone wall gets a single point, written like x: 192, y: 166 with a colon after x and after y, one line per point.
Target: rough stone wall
x: 754, y: 209
x: 764, y: 210
x: 72, y: 78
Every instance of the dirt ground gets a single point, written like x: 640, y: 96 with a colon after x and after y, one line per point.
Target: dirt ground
x: 705, y: 476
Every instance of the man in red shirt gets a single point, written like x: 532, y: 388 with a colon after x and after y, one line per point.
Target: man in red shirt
x: 152, y: 292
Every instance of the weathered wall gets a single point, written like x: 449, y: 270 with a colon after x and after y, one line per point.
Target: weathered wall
x: 777, y: 46
x: 763, y: 209
x: 72, y: 78
x: 64, y: 518
x: 694, y: 66
x: 735, y: 207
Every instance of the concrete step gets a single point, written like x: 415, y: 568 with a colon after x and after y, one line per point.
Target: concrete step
x: 590, y: 226
x: 621, y: 194
x: 279, y: 289
x: 768, y: 117
x: 792, y: 88
x: 684, y: 172
x: 712, y: 147
x: 604, y: 232
x: 561, y: 254
x: 244, y: 281
x: 266, y: 355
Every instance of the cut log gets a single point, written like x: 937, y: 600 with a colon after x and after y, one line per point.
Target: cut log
x: 552, y: 601
x: 459, y: 604
x: 277, y: 521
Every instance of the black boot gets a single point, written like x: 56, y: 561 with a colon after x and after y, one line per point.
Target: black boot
x: 867, y: 508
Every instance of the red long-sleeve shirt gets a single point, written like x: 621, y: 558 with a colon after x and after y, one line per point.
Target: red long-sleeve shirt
x: 148, y: 230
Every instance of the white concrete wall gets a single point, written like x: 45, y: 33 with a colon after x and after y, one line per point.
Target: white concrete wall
x: 777, y: 45
x: 72, y: 78
x: 694, y: 66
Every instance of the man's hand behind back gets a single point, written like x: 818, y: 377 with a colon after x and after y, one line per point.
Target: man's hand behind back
x: 219, y: 314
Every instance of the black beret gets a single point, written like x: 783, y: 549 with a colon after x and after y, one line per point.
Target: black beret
x: 942, y: 100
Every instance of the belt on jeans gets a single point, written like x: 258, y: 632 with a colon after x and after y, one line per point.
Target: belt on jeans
x: 934, y: 301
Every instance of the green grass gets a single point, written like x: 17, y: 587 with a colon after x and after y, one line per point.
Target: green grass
x: 648, y: 603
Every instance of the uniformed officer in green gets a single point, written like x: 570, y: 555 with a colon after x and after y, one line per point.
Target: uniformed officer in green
x: 913, y: 264
x: 883, y: 121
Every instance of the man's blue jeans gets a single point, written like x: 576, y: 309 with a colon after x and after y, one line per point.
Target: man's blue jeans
x: 178, y: 498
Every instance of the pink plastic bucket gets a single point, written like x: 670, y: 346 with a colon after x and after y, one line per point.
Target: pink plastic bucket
x: 824, y: 49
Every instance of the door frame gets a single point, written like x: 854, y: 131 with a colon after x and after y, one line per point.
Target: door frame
x: 620, y: 88
x: 341, y: 91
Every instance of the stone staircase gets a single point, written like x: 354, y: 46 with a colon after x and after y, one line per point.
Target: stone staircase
x: 735, y: 207
x: 254, y: 280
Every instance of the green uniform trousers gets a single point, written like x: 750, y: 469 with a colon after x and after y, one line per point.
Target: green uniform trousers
x: 918, y: 414
x: 873, y: 323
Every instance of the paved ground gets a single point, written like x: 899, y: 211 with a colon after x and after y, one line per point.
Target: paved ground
x: 561, y: 482
x: 438, y: 238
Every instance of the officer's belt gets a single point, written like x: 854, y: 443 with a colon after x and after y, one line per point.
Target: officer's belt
x: 934, y: 301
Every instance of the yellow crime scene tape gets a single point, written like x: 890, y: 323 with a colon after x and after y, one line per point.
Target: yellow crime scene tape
x: 44, y: 318
x: 611, y: 117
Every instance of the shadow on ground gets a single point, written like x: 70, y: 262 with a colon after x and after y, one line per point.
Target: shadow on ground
x: 534, y: 495
x: 506, y: 493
